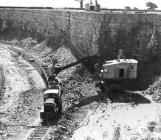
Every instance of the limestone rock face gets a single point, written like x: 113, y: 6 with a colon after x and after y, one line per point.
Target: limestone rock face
x: 86, y: 33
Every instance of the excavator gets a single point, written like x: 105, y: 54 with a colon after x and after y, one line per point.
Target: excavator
x: 118, y: 74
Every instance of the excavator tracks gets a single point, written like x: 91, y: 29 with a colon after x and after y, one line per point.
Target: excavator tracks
x: 39, y: 133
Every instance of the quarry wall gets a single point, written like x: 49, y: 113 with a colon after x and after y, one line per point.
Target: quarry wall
x: 86, y: 33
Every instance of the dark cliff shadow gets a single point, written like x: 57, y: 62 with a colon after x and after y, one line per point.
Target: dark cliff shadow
x: 87, y: 101
x: 80, y: 54
x: 128, y: 97
x: 148, y: 73
x: 124, y: 97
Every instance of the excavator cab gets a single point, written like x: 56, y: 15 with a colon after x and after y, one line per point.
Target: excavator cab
x: 118, y: 74
x: 119, y: 69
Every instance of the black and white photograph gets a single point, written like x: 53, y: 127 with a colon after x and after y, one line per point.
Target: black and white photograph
x: 80, y: 69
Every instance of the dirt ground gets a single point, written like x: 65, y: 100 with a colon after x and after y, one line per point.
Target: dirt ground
x: 120, y: 121
x: 23, y: 87
x: 86, y: 114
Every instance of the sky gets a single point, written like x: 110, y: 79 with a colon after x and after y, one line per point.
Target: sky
x: 141, y: 4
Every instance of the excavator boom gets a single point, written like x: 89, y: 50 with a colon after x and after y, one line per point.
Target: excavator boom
x: 59, y: 69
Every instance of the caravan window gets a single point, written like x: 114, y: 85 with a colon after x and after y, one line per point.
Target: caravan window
x: 132, y: 67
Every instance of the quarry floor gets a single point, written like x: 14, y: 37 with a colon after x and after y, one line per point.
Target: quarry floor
x: 86, y: 116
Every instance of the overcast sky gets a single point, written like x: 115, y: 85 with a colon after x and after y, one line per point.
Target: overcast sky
x: 72, y: 3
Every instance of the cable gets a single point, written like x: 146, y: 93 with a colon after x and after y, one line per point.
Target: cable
x: 89, y: 116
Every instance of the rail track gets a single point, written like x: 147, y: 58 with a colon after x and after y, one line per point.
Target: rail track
x: 39, y: 133
x: 1, y: 80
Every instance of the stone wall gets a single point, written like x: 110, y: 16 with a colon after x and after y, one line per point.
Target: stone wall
x: 86, y: 33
